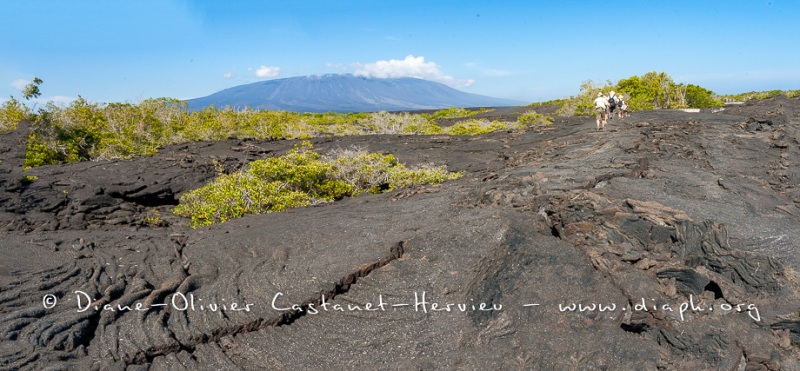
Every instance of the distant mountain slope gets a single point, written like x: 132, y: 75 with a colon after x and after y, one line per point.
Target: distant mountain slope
x: 346, y: 93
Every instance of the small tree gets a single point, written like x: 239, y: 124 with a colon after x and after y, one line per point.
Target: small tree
x: 12, y: 111
x: 32, y: 90
x: 699, y: 97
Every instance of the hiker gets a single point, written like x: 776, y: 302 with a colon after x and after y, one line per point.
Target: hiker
x: 622, y: 107
x: 600, y: 110
x: 612, y: 103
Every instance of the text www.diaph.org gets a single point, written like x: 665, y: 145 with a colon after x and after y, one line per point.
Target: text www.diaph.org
x: 421, y: 302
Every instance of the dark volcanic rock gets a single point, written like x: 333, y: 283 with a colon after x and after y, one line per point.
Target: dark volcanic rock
x: 687, y: 281
x: 12, y: 158
x: 12, y: 153
x: 668, y: 241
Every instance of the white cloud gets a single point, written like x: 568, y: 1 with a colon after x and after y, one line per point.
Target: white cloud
x: 227, y: 75
x: 19, y: 84
x: 265, y: 71
x: 411, y: 66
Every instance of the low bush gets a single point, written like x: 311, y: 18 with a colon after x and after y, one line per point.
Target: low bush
x: 476, y: 127
x: 450, y: 113
x: 533, y: 118
x: 395, y: 123
x: 153, y: 219
x: 302, y: 177
x: 11, y: 113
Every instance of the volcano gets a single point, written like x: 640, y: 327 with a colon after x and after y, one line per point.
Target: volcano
x: 346, y: 93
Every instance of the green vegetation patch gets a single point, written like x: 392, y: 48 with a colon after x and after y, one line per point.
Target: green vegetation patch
x: 302, y: 177
x: 11, y: 113
x: 476, y: 127
x: 760, y: 95
x: 84, y: 130
x: 449, y: 113
x: 483, y: 126
x: 533, y: 118
x: 653, y: 90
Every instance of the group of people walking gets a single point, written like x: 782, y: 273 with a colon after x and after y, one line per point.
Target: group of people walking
x: 604, y: 108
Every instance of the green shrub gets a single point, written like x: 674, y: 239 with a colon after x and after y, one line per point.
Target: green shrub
x: 38, y: 153
x: 153, y: 218
x: 390, y: 123
x: 699, y: 97
x: 302, y: 170
x: 365, y: 172
x: 302, y: 177
x: 11, y: 113
x: 533, y: 118
x: 401, y: 176
x: 476, y: 127
x: 449, y: 113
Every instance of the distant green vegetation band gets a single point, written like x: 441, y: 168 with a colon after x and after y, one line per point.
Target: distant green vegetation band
x: 84, y: 130
x: 760, y: 95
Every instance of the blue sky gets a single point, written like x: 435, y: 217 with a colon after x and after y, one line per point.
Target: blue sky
x: 109, y: 51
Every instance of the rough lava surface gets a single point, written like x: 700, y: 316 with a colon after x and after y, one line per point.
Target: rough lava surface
x: 669, y: 241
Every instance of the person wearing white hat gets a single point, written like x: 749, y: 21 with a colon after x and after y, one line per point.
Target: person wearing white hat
x: 600, y: 110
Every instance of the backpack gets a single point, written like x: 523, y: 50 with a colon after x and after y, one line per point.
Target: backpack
x: 612, y: 102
